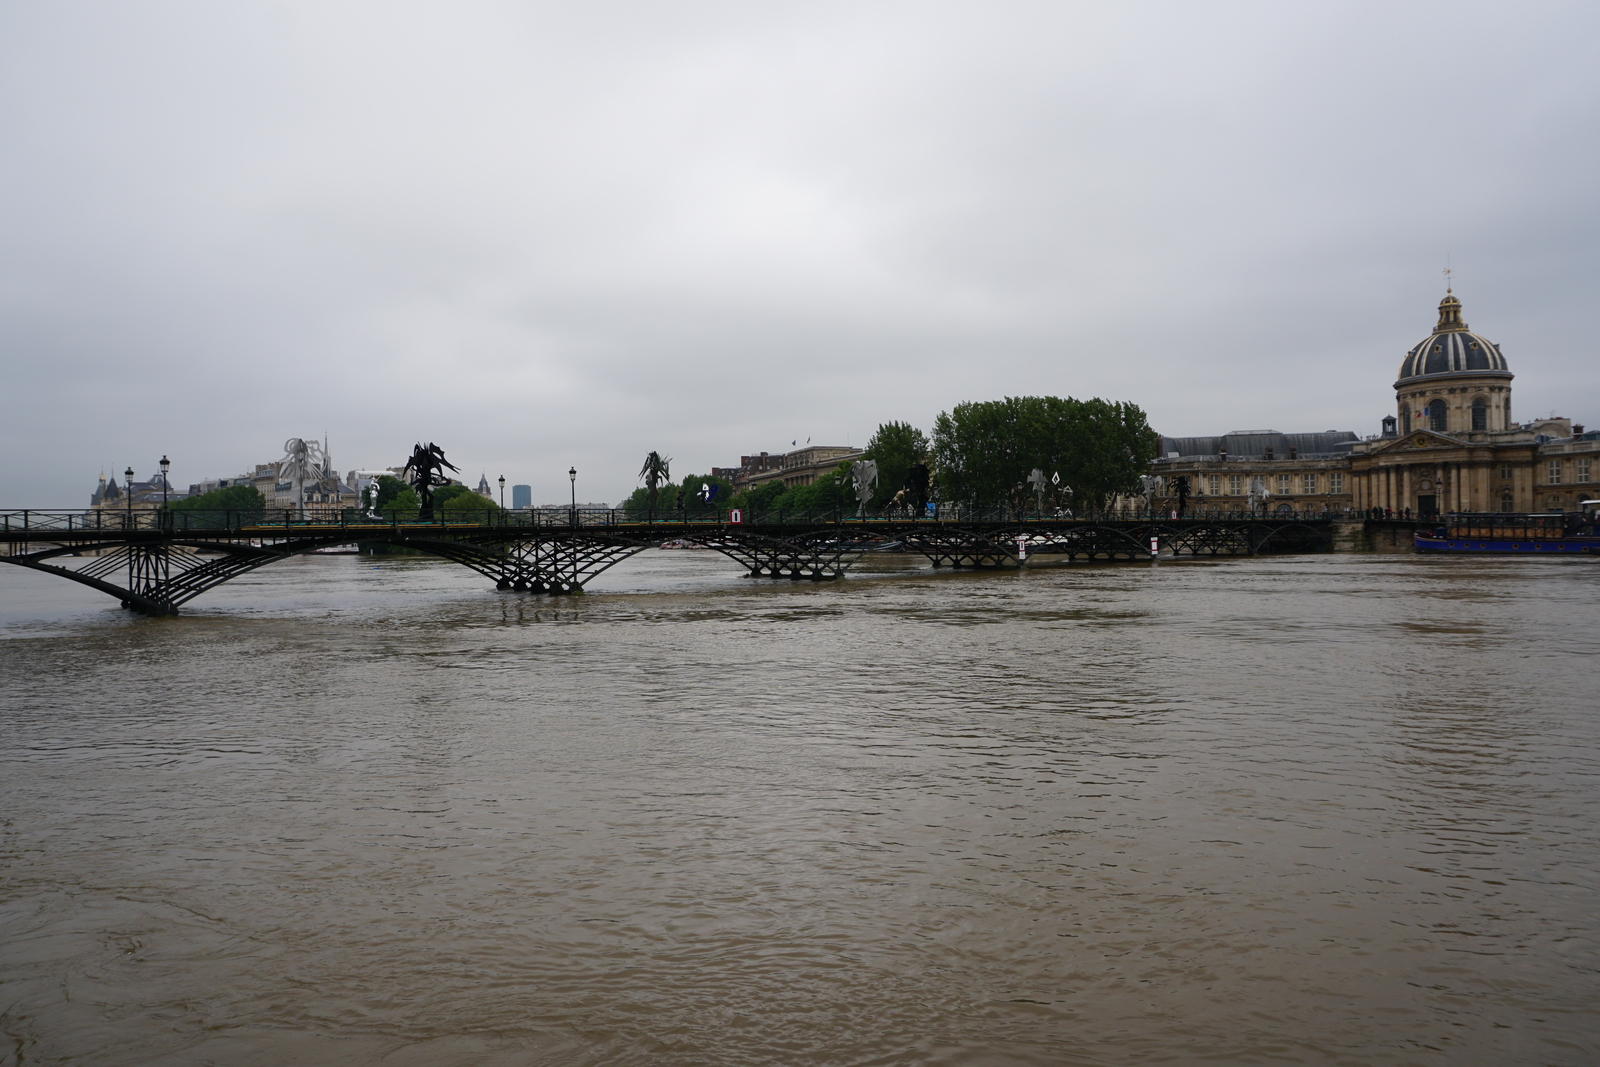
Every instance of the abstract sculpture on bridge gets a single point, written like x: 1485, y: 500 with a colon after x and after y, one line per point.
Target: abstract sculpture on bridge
x: 1258, y: 494
x: 1181, y: 486
x: 864, y: 476
x: 424, y: 470
x: 917, y: 488
x: 302, y: 462
x: 1063, y: 497
x: 1037, y: 480
x: 655, y: 472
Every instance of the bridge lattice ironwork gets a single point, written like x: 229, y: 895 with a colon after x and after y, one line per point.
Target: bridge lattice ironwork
x: 156, y: 562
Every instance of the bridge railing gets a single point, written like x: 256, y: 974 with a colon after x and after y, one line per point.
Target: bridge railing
x: 34, y: 521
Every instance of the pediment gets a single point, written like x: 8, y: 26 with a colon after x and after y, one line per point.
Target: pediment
x: 1418, y: 441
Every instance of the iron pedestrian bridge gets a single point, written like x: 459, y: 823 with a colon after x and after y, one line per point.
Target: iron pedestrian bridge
x: 154, y: 562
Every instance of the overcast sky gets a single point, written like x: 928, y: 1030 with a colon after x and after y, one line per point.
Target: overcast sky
x: 554, y: 235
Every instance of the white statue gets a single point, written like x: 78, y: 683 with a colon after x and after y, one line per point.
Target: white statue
x: 864, y: 475
x: 302, y: 462
x: 1037, y: 480
x: 1258, y: 494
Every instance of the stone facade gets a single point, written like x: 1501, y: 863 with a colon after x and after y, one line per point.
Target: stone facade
x: 1452, y: 446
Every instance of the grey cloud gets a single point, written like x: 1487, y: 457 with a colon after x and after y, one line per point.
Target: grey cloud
x: 554, y: 235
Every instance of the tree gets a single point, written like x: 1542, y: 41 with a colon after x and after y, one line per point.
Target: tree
x: 235, y: 504
x: 404, y: 506
x: 763, y: 498
x: 896, y: 447
x: 382, y: 492
x: 693, y: 488
x: 985, y: 450
x: 463, y: 501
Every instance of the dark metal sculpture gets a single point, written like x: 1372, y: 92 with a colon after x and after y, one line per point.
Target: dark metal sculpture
x: 424, y: 470
x: 655, y: 473
x: 1183, y: 494
x: 917, y: 484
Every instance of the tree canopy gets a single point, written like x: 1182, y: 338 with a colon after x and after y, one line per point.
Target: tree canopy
x: 895, y: 447
x: 231, y: 498
x: 381, y: 493
x: 985, y: 450
x: 458, y: 497
x: 237, y: 503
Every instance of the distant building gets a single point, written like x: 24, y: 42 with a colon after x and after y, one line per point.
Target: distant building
x: 134, y: 496
x: 484, y: 489
x: 802, y: 466
x: 1451, y: 446
x: 521, y: 496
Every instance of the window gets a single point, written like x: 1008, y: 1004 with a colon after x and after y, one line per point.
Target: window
x: 1214, y: 484
x: 1284, y: 481
x: 1583, y: 470
x: 1405, y: 419
x: 1235, y: 484
x: 1336, y: 482
x: 1480, y: 414
x: 1437, y: 420
x: 1505, y: 503
x: 1308, y: 484
x: 1505, y: 472
x: 1553, y: 470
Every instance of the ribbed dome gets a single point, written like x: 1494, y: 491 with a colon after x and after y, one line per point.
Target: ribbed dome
x: 1453, y: 349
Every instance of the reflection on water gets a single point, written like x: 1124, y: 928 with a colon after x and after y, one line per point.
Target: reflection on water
x: 1312, y: 810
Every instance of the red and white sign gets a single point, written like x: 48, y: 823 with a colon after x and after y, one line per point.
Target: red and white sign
x: 736, y: 516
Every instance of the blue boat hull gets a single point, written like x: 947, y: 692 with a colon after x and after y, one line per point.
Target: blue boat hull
x: 1552, y: 546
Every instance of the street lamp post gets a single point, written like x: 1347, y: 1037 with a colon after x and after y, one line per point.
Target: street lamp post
x: 165, y: 463
x: 572, y: 476
x: 127, y: 491
x: 502, y: 492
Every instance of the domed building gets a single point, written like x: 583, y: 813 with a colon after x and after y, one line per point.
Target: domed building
x: 1471, y: 370
x: 1451, y: 446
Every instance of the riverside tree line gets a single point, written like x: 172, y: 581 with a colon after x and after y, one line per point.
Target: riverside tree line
x: 981, y: 453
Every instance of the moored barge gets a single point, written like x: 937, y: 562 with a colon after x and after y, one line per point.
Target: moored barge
x: 1516, y: 534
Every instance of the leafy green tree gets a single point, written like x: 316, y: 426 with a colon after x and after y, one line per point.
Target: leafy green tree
x: 231, y: 498
x: 895, y: 447
x: 985, y: 450
x: 470, y: 500
x: 381, y: 493
x: 463, y: 502
x: 403, y: 506
x: 763, y: 498
x: 232, y: 505
x: 691, y: 486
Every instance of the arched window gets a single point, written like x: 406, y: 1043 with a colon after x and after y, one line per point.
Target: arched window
x: 1480, y: 414
x: 1436, y: 416
x: 1405, y: 419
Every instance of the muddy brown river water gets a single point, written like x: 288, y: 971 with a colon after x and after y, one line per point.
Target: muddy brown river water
x: 1312, y: 810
